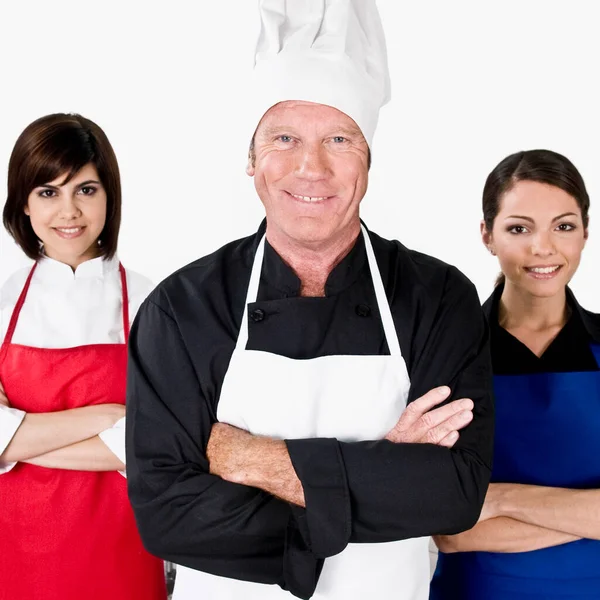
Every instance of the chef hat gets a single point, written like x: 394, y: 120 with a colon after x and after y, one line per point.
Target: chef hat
x: 329, y: 52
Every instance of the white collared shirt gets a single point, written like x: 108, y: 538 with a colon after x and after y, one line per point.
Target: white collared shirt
x: 65, y: 309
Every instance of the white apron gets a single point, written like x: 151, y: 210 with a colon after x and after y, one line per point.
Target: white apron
x: 351, y: 398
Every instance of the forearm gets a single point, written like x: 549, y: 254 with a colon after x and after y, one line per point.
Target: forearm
x: 396, y: 491
x: 41, y: 433
x: 502, y: 534
x: 218, y: 527
x: 89, y: 455
x: 270, y: 469
x: 190, y: 517
x: 183, y: 513
x: 358, y: 492
x: 574, y: 512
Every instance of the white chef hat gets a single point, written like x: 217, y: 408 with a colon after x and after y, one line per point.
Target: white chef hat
x: 329, y: 52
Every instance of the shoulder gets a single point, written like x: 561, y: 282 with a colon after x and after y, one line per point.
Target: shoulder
x: 490, y: 306
x: 12, y: 287
x: 423, y: 274
x: 209, y: 278
x: 590, y: 320
x: 591, y: 317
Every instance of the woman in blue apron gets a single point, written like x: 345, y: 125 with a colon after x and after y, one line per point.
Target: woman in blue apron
x: 539, y: 532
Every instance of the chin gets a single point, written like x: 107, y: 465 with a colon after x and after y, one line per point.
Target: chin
x: 72, y: 251
x: 310, y: 232
x: 545, y: 289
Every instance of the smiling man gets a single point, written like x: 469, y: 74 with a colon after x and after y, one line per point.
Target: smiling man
x: 308, y: 404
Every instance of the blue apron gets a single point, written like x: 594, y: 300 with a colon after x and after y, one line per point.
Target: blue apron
x: 548, y: 434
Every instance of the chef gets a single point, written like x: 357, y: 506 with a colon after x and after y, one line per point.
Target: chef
x: 307, y: 405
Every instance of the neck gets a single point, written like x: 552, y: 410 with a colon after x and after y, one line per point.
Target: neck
x: 519, y: 309
x: 74, y: 261
x: 312, y: 262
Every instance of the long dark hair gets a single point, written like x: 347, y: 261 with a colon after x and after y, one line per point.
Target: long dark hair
x: 543, y: 166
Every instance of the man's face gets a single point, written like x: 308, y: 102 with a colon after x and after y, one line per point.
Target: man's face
x: 310, y: 171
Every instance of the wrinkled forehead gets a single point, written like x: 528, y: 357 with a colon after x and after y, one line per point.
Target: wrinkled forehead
x: 306, y: 117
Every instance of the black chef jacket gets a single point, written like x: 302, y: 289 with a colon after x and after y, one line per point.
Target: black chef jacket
x: 376, y: 491
x: 568, y: 352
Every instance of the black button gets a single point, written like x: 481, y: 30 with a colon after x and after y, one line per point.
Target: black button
x: 257, y: 315
x: 363, y: 310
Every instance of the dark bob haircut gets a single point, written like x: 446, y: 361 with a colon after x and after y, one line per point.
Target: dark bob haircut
x: 543, y: 166
x: 55, y: 145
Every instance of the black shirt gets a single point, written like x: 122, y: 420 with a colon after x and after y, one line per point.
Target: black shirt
x: 568, y: 352
x: 180, y: 346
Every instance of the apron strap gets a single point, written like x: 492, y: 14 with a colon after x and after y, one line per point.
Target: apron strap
x: 252, y: 293
x: 382, y: 302
x: 12, y: 325
x: 125, y: 303
x: 17, y: 310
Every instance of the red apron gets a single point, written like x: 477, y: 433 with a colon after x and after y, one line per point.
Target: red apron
x: 69, y: 535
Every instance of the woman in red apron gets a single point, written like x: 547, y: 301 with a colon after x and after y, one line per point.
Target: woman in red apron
x: 67, y: 529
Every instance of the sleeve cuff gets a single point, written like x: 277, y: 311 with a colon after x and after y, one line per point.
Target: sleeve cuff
x: 10, y: 421
x: 326, y: 521
x: 114, y: 438
x: 301, y: 568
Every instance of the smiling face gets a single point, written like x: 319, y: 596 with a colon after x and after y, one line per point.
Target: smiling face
x: 310, y: 172
x: 538, y: 236
x: 69, y: 217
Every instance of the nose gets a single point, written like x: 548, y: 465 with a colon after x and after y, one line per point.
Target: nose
x: 69, y: 208
x: 543, y: 245
x: 312, y: 163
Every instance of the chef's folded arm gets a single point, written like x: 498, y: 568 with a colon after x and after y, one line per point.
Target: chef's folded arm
x: 360, y: 491
x: 381, y: 491
x: 185, y: 514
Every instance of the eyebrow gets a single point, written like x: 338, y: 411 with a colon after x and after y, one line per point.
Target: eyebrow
x: 270, y: 131
x: 79, y: 185
x: 568, y: 214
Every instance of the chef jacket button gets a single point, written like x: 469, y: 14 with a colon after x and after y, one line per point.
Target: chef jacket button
x: 257, y: 315
x: 363, y: 310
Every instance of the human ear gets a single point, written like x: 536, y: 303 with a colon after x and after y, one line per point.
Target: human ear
x: 250, y: 169
x: 487, y: 238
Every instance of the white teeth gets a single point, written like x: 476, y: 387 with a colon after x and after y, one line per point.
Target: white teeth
x: 310, y: 198
x: 544, y: 270
x: 70, y: 230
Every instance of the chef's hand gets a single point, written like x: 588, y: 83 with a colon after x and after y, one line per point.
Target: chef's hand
x: 3, y: 399
x: 418, y: 424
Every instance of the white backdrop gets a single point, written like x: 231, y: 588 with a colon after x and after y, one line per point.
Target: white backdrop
x: 472, y: 82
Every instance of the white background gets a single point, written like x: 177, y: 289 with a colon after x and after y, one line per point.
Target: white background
x: 472, y: 82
